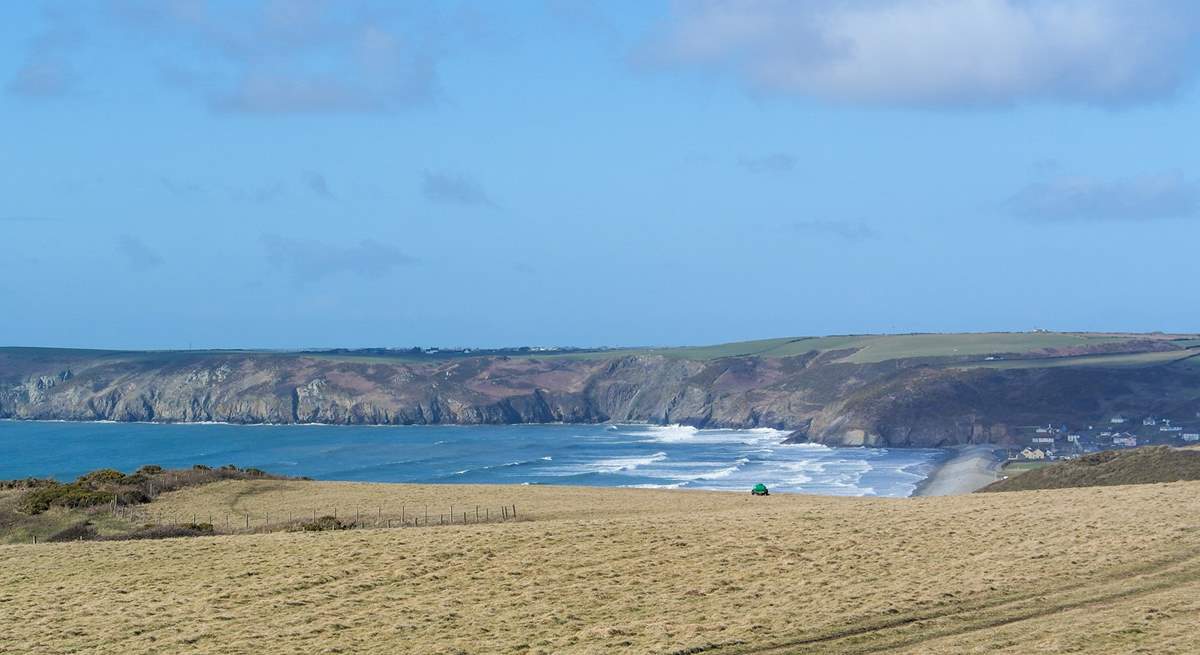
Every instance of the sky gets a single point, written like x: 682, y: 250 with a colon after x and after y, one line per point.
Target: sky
x: 301, y: 174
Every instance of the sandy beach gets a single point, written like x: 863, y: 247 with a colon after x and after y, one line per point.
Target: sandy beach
x: 968, y: 468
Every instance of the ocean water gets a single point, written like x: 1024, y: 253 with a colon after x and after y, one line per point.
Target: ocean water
x: 591, y: 455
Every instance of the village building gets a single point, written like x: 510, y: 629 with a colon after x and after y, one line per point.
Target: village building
x: 1033, y: 453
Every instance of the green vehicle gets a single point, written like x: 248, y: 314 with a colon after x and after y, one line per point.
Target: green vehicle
x: 760, y: 489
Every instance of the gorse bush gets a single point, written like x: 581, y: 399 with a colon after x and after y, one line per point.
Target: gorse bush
x: 100, y: 477
x: 36, y: 501
x: 322, y: 524
x: 109, y: 485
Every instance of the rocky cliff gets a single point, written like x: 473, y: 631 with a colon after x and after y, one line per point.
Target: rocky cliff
x: 821, y: 395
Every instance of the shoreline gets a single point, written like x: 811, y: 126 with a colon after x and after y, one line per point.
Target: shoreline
x: 964, y: 470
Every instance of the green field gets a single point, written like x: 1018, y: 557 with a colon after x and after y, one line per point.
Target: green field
x: 870, y: 349
x: 1016, y: 468
x: 1116, y: 360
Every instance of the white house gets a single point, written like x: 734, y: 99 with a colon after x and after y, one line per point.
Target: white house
x: 1043, y: 440
x: 1117, y: 419
x: 1149, y: 421
x: 1033, y: 453
x: 1125, y: 441
x: 1191, y: 436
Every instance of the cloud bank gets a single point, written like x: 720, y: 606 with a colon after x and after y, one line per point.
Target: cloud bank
x: 453, y: 188
x: 303, y: 56
x: 137, y: 254
x: 778, y: 162
x: 939, y: 52
x: 846, y: 230
x: 1138, y: 199
x: 312, y: 261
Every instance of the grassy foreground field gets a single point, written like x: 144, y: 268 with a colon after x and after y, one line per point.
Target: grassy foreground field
x: 1094, y: 570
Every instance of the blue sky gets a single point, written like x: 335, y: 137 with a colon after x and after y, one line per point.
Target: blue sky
x: 304, y: 174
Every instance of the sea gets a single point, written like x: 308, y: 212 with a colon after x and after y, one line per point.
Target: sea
x: 668, y: 457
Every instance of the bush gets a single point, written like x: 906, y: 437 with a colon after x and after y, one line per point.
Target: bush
x: 101, y: 476
x: 201, y: 467
x: 37, y: 501
x: 85, y: 531
x: 150, y: 469
x: 162, y: 532
x: 322, y: 524
x: 27, y: 483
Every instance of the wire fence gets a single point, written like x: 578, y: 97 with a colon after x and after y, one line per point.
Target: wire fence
x: 321, y: 518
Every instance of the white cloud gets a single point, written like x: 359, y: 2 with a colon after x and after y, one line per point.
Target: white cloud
x: 1090, y: 199
x: 311, y: 261
x: 847, y: 230
x: 940, y: 52
x: 295, y: 56
x: 137, y: 254
x: 777, y: 162
x: 453, y: 188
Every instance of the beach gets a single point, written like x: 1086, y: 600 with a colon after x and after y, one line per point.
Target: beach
x: 966, y: 469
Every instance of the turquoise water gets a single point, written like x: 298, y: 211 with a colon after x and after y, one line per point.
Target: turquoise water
x: 591, y: 455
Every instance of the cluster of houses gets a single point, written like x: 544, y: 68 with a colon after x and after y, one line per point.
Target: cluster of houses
x: 1049, y: 442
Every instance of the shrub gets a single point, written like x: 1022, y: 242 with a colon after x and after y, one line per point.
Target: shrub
x: 161, y: 532
x: 201, y: 467
x: 150, y: 469
x: 84, y: 530
x: 37, y: 501
x: 322, y: 524
x: 101, y: 476
x: 27, y: 483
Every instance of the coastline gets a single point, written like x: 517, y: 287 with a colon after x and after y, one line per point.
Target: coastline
x: 965, y: 469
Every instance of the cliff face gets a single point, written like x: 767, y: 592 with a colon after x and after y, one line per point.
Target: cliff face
x: 893, y: 403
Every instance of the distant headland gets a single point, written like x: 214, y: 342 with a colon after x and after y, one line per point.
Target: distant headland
x: 919, y: 390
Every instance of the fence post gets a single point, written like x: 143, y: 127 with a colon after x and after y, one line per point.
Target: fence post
x: 514, y: 510
x: 477, y: 513
x: 487, y: 514
x: 247, y: 521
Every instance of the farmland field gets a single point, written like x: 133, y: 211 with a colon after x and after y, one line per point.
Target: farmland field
x: 633, y: 571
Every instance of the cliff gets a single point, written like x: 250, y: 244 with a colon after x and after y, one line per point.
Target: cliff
x: 825, y: 395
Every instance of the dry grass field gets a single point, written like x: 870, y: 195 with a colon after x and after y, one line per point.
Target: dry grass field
x: 1091, y: 570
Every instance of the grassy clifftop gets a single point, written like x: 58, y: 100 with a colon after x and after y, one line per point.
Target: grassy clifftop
x: 1149, y: 465
x: 633, y: 571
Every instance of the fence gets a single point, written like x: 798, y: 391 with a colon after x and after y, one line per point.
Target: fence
x: 322, y: 518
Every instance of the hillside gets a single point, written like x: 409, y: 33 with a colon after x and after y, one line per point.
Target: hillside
x: 632, y: 571
x: 897, y: 390
x: 1138, y: 466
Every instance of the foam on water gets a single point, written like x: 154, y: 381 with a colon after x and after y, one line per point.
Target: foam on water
x: 669, y: 456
